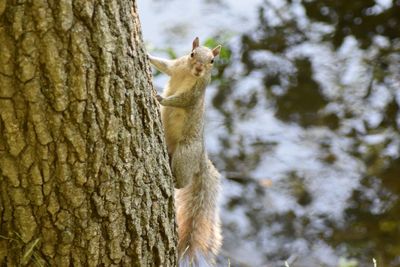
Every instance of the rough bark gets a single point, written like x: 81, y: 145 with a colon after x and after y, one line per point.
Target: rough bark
x: 84, y: 178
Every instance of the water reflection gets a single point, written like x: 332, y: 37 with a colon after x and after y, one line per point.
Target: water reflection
x: 335, y: 180
x: 305, y: 127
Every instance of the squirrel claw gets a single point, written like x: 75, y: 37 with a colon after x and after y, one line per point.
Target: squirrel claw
x: 159, y: 98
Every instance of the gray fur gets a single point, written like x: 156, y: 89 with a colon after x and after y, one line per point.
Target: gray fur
x: 197, y: 179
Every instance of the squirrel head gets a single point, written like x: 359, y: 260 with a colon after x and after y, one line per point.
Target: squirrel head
x: 201, y: 58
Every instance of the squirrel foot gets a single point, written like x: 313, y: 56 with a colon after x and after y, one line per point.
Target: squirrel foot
x: 159, y: 98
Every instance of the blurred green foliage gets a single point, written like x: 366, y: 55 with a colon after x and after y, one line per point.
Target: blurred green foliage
x: 225, y: 53
x: 363, y: 19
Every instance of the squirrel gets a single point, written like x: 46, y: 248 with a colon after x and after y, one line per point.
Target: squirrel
x: 196, y: 179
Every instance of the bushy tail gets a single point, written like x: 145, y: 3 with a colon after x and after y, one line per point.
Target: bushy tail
x: 198, y: 218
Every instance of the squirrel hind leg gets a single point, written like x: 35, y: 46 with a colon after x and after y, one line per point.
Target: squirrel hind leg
x: 184, y: 163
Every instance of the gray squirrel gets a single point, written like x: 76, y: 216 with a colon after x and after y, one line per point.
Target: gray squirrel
x: 196, y: 179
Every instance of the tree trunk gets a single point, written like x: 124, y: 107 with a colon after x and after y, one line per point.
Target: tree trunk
x: 84, y: 176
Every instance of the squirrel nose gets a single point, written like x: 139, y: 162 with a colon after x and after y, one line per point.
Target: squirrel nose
x: 199, y: 68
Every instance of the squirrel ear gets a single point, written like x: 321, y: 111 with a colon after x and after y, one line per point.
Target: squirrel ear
x: 196, y: 43
x: 216, y: 50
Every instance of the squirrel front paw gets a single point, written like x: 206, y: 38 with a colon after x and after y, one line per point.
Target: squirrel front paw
x: 159, y: 98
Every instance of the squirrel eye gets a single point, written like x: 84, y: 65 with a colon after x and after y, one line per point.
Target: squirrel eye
x: 192, y: 54
x: 212, y: 61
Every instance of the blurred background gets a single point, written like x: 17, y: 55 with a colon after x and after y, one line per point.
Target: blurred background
x: 303, y: 122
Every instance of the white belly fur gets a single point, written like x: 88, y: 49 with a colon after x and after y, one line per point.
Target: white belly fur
x: 174, y: 118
